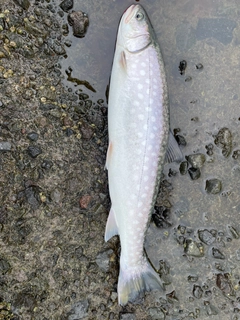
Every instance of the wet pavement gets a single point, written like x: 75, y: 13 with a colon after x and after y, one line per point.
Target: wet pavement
x: 54, y: 198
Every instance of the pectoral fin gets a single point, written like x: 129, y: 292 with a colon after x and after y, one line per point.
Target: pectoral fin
x: 111, y: 227
x: 173, y: 151
x: 109, y: 153
x: 123, y: 61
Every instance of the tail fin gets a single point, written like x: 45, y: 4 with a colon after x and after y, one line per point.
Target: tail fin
x: 131, y: 283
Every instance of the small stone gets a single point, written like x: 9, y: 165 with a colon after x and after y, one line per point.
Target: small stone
x: 234, y: 232
x: 183, y: 168
x: 192, y: 248
x: 180, y: 140
x: 224, y: 284
x: 4, y: 266
x: 213, y: 186
x: 217, y: 254
x: 34, y: 151
x: 23, y: 3
x: 182, y: 66
x: 194, y: 173
x: 5, y: 146
x: 66, y: 5
x: 197, y: 292
x: 196, y: 160
x: 33, y: 136
x: 46, y: 164
x: 102, y: 260
x: 156, y: 314
x: 79, y: 310
x: 188, y: 79
x: 223, y: 140
x: 209, y: 149
x: 236, y: 154
x: 199, y: 66
x: 84, y: 201
x: 127, y: 316
x: 206, y: 237
x: 79, y: 22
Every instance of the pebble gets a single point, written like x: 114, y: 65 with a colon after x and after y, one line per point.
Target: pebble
x: 84, y: 201
x: 5, y: 146
x: 197, y: 292
x: 182, y: 66
x: 206, y: 236
x: 79, y: 22
x: 102, y: 260
x: 196, y: 160
x: 23, y: 3
x: 79, y: 310
x: 217, y: 254
x: 180, y: 140
x: 34, y: 151
x: 194, y: 173
x: 183, y: 167
x: 33, y: 136
x: 46, y: 164
x: 4, y: 266
x: 223, y: 140
x: 156, y: 314
x: 127, y: 316
x: 213, y: 186
x: 193, y: 248
x: 224, y: 284
x: 66, y: 5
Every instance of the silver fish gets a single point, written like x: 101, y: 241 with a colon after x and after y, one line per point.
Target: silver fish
x: 138, y: 120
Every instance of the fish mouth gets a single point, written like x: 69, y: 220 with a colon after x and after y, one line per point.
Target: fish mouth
x: 129, y: 13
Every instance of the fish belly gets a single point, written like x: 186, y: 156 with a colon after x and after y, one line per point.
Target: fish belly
x: 138, y: 135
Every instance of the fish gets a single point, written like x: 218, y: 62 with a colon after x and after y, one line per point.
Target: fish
x: 139, y: 142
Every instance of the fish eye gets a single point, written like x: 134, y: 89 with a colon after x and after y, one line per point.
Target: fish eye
x: 139, y: 16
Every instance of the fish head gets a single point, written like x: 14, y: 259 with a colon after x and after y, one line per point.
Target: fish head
x: 135, y: 30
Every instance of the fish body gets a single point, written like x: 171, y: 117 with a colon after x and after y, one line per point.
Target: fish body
x: 138, y: 124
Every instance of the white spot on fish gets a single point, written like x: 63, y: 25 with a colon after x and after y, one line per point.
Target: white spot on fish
x: 139, y: 86
x: 145, y: 179
x: 136, y: 103
x: 140, y: 95
x: 140, y: 116
x: 132, y: 111
x: 147, y: 81
x: 142, y: 72
x: 140, y: 134
x: 151, y: 101
x: 152, y: 135
x: 145, y: 127
x: 139, y: 204
x: 134, y: 65
x: 149, y: 147
x: 143, y: 64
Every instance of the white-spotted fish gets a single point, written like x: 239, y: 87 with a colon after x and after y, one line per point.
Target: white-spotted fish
x: 138, y: 121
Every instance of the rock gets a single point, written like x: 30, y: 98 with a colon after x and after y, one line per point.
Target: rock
x: 199, y: 66
x: 220, y: 29
x: 217, y: 254
x: 197, y: 292
x: 102, y: 260
x: 196, y: 160
x: 46, y: 164
x: 84, y: 201
x: 5, y: 146
x: 223, y: 140
x: 161, y: 217
x: 156, y: 314
x: 23, y: 3
x: 34, y: 151
x: 224, y: 284
x: 183, y: 167
x: 33, y: 136
x: 192, y: 248
x: 66, y: 5
x: 4, y: 266
x: 182, y: 66
x: 79, y: 22
x: 206, y: 237
x: 79, y: 310
x: 180, y: 139
x: 127, y: 316
x: 194, y: 173
x: 213, y: 186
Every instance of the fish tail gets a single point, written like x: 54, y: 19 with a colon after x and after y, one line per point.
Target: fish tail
x: 132, y: 282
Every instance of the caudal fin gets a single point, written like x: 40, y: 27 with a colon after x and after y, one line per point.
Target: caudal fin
x: 131, y: 283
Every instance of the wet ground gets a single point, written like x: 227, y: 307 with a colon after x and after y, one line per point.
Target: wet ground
x: 54, y: 198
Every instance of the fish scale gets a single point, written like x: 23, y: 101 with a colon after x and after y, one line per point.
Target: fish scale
x: 138, y: 124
